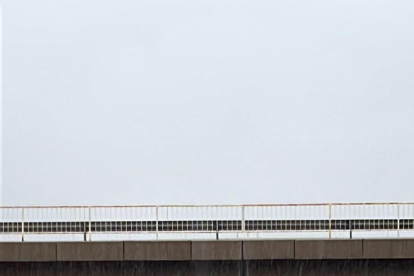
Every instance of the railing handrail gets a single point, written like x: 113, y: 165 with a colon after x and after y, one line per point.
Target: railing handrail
x: 207, y: 205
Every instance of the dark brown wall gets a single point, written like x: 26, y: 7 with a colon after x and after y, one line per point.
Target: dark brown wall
x: 27, y: 252
x: 208, y: 250
x: 331, y: 268
x: 268, y: 250
x: 90, y: 251
x: 217, y: 250
x: 214, y: 268
x: 389, y: 249
x: 157, y: 251
x: 328, y: 249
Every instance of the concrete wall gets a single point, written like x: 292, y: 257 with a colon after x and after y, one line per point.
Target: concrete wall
x: 268, y: 250
x: 328, y: 249
x: 27, y: 252
x: 207, y: 250
x: 383, y: 267
x: 157, y: 251
x: 90, y: 251
x: 388, y: 249
x: 330, y: 268
x: 217, y: 250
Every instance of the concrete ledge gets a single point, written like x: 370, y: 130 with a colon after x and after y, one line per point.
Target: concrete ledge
x: 216, y: 250
x: 388, y: 249
x: 90, y: 251
x: 157, y: 251
x: 268, y: 250
x: 328, y: 249
x: 27, y: 252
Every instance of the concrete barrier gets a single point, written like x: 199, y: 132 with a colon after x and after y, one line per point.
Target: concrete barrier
x: 90, y: 251
x: 207, y: 250
x: 27, y: 252
x: 388, y: 249
x: 157, y: 251
x: 268, y: 250
x: 328, y: 249
x: 216, y: 250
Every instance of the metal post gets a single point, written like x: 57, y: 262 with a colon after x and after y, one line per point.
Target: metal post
x: 243, y: 220
x: 398, y: 220
x: 330, y: 221
x: 156, y: 223
x: 90, y: 224
x: 22, y: 224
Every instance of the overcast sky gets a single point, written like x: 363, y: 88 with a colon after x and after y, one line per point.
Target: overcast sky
x: 183, y: 101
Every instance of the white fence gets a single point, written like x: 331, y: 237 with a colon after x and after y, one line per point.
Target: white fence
x: 215, y: 221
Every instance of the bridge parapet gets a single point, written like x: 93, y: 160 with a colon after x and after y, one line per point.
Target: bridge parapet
x: 208, y: 250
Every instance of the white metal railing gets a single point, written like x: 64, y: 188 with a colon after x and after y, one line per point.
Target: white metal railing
x: 244, y: 220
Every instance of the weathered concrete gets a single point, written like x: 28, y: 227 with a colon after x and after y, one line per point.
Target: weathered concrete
x: 328, y: 249
x: 216, y: 250
x: 388, y: 249
x: 331, y: 268
x: 157, y: 251
x: 27, y: 252
x: 90, y: 251
x: 137, y: 268
x: 214, y: 268
x: 268, y: 250
x: 207, y: 250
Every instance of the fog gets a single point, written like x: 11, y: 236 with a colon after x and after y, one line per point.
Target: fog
x: 207, y: 102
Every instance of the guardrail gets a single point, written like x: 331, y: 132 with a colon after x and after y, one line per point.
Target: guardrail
x: 89, y: 220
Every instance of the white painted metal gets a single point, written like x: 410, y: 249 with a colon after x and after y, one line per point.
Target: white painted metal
x: 90, y: 223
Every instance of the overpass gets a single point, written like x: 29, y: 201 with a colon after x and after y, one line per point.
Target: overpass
x: 294, y: 239
x: 212, y: 258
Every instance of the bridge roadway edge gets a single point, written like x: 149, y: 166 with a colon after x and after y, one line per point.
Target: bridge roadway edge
x: 207, y: 250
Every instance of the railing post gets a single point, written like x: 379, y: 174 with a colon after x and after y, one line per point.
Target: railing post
x: 243, y: 220
x: 156, y: 223
x: 90, y: 223
x: 330, y: 221
x: 22, y: 224
x: 398, y: 220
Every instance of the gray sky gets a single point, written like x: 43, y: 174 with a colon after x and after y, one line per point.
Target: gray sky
x: 159, y: 102
x: 1, y: 107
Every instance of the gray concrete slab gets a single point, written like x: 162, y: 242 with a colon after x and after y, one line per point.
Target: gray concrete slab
x: 216, y: 250
x: 27, y: 252
x: 157, y: 251
x: 388, y: 249
x: 90, y: 251
x: 268, y: 250
x: 328, y: 249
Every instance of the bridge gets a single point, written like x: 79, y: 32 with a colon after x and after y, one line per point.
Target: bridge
x: 108, y: 223
x: 204, y: 240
